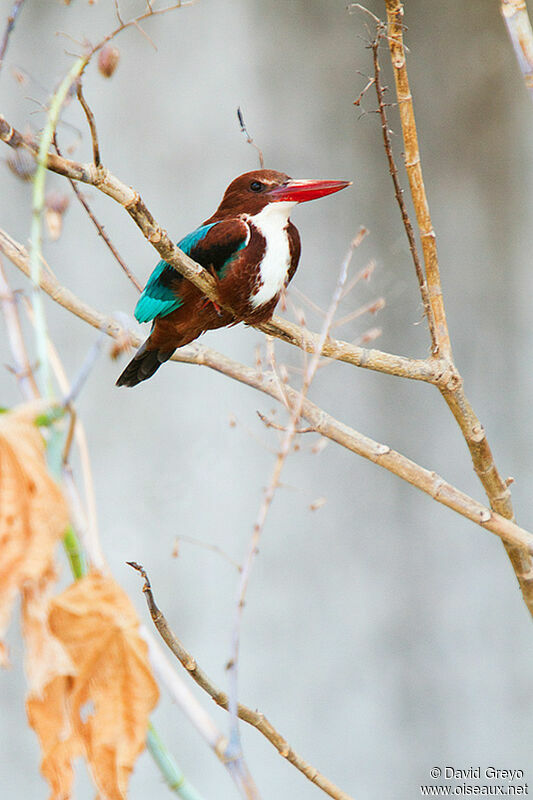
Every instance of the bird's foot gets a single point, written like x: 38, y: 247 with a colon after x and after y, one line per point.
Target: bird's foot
x: 217, y: 308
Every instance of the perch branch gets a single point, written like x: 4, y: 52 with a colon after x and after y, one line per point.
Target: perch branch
x: 428, y: 482
x: 102, y: 179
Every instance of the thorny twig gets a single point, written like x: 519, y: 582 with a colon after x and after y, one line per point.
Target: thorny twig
x: 255, y: 718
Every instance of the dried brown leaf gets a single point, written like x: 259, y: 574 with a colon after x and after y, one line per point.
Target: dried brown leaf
x: 33, y: 511
x: 50, y: 674
x: 112, y: 692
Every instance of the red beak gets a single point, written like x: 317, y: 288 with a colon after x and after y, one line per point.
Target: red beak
x: 302, y: 191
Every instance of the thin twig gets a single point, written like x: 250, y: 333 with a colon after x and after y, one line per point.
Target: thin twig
x: 496, y: 488
x: 268, y: 423
x: 38, y: 199
x: 207, y: 546
x: 249, y: 139
x: 184, y: 698
x: 369, y: 308
x: 398, y: 191
x: 100, y: 228
x: 284, y: 450
x: 174, y: 777
x: 12, y: 18
x: 102, y: 179
x: 357, y: 101
x: 84, y: 371
x: 23, y: 370
x: 92, y: 124
x: 254, y: 718
x: 89, y: 529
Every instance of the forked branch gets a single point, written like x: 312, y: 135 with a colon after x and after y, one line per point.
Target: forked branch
x: 496, y: 488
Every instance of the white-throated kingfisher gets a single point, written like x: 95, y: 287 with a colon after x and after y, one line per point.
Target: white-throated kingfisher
x: 249, y: 245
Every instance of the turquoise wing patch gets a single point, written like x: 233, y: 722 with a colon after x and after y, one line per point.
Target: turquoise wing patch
x: 190, y: 241
x: 157, y: 298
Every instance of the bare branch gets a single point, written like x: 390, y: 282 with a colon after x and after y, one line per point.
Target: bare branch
x: 414, y: 173
x: 103, y: 180
x: 253, y: 548
x: 92, y: 124
x: 17, y: 5
x: 100, y: 228
x: 398, y: 191
x: 254, y: 718
x: 428, y: 482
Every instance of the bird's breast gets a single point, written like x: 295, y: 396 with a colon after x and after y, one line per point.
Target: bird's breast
x: 272, y: 268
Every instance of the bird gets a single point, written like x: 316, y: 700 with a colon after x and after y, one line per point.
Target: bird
x: 251, y: 248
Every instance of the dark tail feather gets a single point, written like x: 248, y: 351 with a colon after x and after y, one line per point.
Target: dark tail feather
x: 143, y: 365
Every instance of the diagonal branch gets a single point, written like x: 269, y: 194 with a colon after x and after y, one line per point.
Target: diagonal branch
x: 282, y: 455
x: 254, y: 718
x: 323, y: 423
x: 102, y: 179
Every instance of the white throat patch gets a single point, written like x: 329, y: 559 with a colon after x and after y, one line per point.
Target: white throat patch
x: 271, y: 222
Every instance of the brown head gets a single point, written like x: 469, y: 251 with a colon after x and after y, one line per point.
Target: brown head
x: 252, y: 191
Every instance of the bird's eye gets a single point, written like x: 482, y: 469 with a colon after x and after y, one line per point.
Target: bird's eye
x: 256, y: 186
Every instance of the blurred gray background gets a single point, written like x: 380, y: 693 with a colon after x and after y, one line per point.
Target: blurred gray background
x: 383, y: 635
